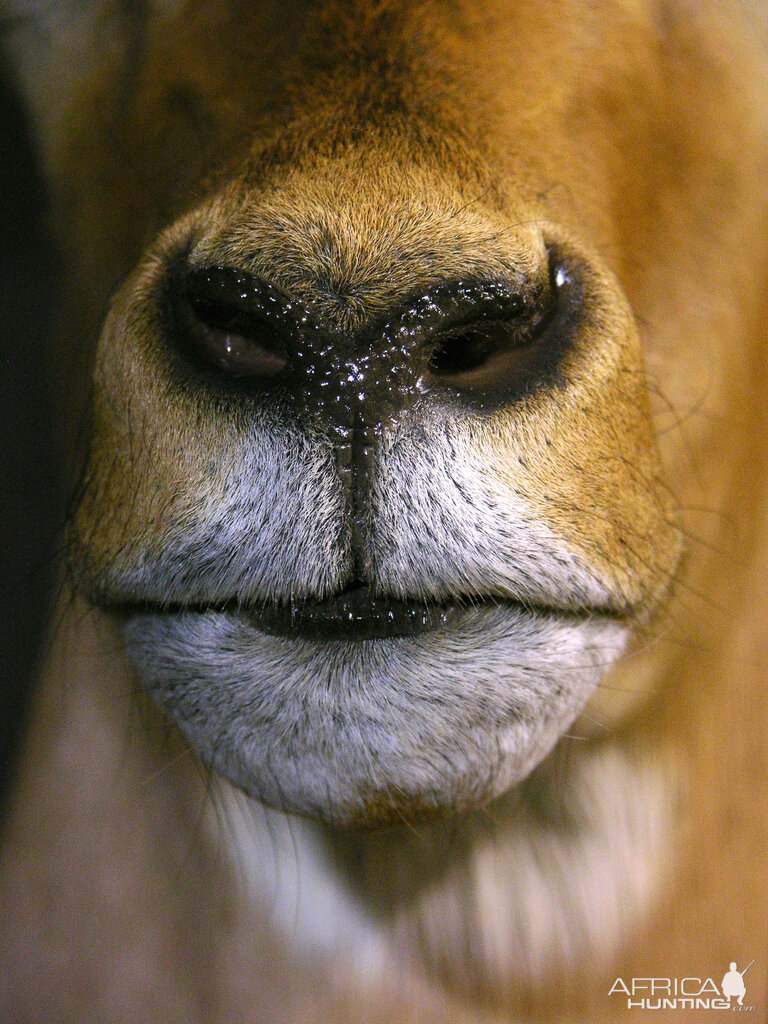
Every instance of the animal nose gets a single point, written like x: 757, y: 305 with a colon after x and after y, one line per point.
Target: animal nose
x: 471, y: 338
x: 477, y: 342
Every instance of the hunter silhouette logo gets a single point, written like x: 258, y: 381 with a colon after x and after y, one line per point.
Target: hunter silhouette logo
x: 733, y: 983
x: 690, y: 993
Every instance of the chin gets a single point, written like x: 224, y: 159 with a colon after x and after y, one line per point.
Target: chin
x: 372, y: 732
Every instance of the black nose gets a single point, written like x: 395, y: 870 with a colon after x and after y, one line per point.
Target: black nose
x: 469, y: 336
x: 478, y: 342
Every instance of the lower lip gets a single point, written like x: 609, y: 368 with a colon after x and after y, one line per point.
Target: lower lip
x: 357, y: 614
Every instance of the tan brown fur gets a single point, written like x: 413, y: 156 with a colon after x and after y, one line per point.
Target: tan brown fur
x: 354, y: 153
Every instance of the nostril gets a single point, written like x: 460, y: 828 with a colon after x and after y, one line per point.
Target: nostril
x: 231, y: 322
x: 468, y: 349
x: 495, y: 343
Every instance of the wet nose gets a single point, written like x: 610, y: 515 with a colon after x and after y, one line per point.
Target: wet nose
x: 469, y: 337
x: 475, y: 342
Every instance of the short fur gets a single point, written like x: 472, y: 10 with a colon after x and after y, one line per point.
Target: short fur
x: 354, y: 155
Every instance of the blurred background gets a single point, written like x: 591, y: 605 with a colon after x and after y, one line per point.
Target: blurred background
x: 30, y: 497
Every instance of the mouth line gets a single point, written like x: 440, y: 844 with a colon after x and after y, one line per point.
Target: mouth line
x: 357, y: 613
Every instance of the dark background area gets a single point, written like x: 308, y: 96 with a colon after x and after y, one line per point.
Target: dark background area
x: 30, y: 502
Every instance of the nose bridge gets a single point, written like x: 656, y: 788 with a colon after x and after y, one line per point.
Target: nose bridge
x: 352, y: 235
